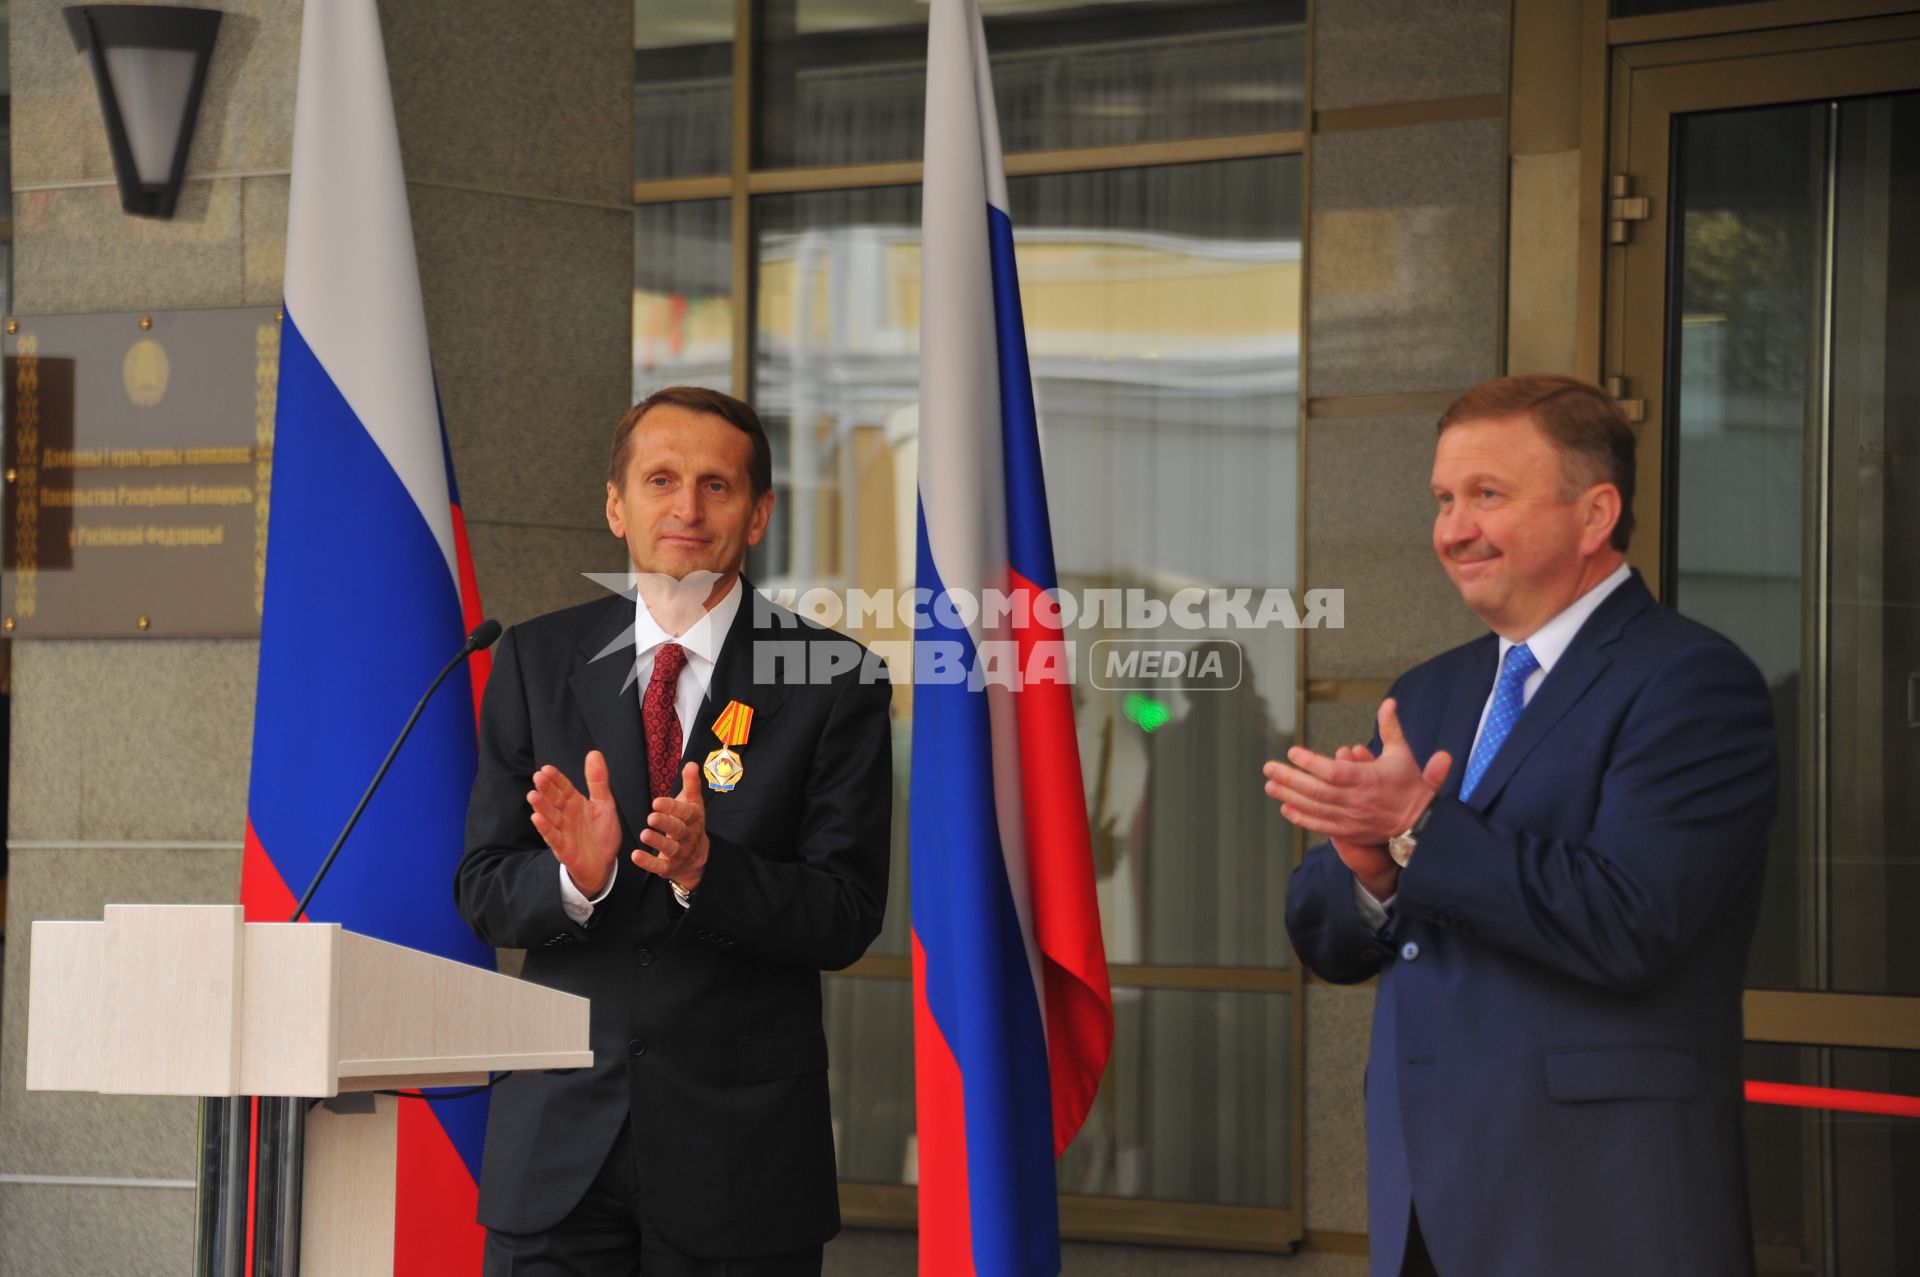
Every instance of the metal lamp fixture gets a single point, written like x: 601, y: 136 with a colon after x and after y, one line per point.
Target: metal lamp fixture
x: 149, y: 64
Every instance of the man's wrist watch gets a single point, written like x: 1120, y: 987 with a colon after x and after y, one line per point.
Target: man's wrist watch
x: 1401, y: 845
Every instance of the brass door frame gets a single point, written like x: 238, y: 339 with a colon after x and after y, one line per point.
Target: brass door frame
x: 1651, y: 84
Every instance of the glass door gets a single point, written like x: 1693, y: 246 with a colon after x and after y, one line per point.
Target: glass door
x: 1768, y: 310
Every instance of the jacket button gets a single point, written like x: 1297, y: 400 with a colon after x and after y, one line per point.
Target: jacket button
x: 637, y: 1047
x: 1409, y: 951
x: 644, y: 957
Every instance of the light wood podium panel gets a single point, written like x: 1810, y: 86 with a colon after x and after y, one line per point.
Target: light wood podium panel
x: 193, y: 1000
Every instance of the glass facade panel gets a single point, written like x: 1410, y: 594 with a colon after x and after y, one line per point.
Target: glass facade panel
x: 842, y: 81
x: 1833, y: 1191
x: 1196, y: 1105
x: 682, y: 88
x: 870, y: 1043
x: 682, y: 303
x: 1796, y: 467
x: 1162, y: 313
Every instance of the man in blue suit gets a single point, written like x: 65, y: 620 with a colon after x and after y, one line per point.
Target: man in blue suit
x: 1550, y: 854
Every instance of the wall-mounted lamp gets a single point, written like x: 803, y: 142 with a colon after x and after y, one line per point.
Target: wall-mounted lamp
x: 149, y: 64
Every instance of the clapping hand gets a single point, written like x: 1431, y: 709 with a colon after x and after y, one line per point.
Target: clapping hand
x: 1358, y: 800
x: 677, y: 832
x: 582, y: 830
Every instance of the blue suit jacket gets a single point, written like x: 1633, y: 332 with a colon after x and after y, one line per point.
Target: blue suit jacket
x: 1555, y: 1074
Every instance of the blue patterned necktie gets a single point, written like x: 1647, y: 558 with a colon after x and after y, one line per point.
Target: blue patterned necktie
x: 1509, y: 698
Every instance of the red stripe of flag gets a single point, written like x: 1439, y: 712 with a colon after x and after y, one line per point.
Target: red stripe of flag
x: 946, y: 1207
x: 1066, y: 911
x: 480, y: 663
x: 435, y: 1199
x: 264, y: 895
x: 1826, y: 1097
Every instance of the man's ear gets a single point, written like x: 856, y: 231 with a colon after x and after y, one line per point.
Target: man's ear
x: 616, y: 517
x: 762, y: 516
x: 1602, y: 512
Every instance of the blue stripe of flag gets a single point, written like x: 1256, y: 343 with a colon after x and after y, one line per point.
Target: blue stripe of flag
x: 979, y: 987
x: 1029, y: 534
x: 360, y: 614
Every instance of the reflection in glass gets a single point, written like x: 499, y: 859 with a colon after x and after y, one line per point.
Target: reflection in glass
x: 1194, y: 1106
x: 1750, y: 191
x: 870, y: 1047
x: 682, y: 88
x: 836, y: 378
x: 682, y: 307
x: 1162, y: 316
x: 843, y: 81
x: 1797, y: 467
x: 1833, y: 1192
x: 1873, y: 603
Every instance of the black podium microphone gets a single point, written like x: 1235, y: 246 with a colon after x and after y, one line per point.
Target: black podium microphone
x: 483, y: 637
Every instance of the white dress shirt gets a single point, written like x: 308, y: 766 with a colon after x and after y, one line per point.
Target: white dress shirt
x: 1548, y: 644
x: 702, y: 641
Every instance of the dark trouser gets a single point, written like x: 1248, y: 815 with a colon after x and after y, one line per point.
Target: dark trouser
x: 1417, y: 1262
x: 610, y: 1234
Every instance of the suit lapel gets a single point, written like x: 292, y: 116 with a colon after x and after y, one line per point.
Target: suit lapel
x: 733, y: 680
x: 1572, y: 675
x: 609, y: 699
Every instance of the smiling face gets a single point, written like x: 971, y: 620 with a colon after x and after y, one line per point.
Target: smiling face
x: 1519, y: 540
x: 686, y: 503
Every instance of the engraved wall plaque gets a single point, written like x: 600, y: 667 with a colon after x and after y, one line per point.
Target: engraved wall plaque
x: 138, y: 450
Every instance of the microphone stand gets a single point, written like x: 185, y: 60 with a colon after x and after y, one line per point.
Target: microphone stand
x: 483, y: 636
x: 230, y: 1126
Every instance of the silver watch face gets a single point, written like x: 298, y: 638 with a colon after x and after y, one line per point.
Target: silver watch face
x: 1400, y: 847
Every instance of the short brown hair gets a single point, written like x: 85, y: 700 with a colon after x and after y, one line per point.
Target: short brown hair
x: 1582, y: 421
x: 735, y: 412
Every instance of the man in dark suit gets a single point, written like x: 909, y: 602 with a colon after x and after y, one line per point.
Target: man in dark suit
x: 738, y: 760
x: 1550, y: 855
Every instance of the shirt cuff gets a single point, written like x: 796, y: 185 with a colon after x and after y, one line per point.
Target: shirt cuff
x: 1373, y: 911
x: 575, y: 902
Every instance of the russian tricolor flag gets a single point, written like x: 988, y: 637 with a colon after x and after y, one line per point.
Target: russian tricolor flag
x: 1013, y: 1016
x: 369, y: 591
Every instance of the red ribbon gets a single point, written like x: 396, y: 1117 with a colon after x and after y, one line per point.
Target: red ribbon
x: 1826, y: 1097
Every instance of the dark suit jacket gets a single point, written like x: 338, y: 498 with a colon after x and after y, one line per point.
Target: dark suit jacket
x: 706, y: 1020
x: 1555, y: 1077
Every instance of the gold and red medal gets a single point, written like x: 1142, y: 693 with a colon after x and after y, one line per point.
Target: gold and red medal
x: 723, y: 767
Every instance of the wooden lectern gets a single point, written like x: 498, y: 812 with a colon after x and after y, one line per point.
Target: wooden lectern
x: 192, y: 1000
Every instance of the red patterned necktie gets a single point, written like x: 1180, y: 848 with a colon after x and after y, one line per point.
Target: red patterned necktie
x: 662, y: 723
